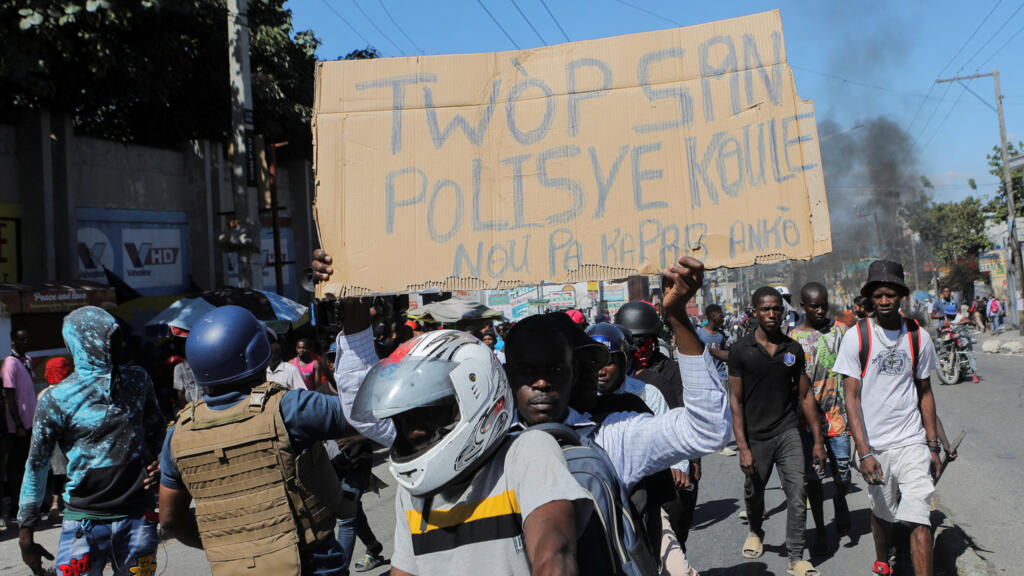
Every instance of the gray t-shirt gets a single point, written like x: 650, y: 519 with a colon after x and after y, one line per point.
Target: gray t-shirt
x: 477, y: 527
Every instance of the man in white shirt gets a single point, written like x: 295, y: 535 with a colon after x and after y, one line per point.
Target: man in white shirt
x: 887, y: 362
x: 283, y: 373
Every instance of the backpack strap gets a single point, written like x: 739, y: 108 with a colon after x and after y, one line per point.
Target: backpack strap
x: 913, y: 329
x: 864, y: 335
x: 563, y: 434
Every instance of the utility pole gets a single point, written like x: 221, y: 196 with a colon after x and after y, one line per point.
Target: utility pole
x: 1016, y: 275
x: 243, y: 157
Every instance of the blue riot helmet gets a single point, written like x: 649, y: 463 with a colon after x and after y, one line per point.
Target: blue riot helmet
x: 227, y: 345
x: 613, y: 338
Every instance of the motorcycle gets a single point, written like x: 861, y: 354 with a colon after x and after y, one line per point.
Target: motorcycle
x: 953, y: 349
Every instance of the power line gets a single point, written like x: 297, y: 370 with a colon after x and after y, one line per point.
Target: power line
x: 1000, y: 49
x: 920, y: 107
x: 530, y: 24
x: 550, y: 13
x: 993, y: 36
x: 377, y: 28
x: 971, y: 37
x: 946, y: 117
x: 346, y: 22
x: 498, y: 24
x: 872, y: 86
x: 929, y: 121
x: 646, y: 11
x: 390, y: 17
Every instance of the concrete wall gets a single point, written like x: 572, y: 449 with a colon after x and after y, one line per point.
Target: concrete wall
x: 8, y: 164
x: 54, y: 175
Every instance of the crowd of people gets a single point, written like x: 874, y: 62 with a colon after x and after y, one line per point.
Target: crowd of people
x: 549, y: 446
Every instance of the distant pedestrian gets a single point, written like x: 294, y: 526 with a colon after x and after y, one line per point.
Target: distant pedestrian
x: 20, y: 398
x: 887, y: 363
x: 57, y: 369
x: 995, y: 313
x: 279, y: 371
x: 309, y: 367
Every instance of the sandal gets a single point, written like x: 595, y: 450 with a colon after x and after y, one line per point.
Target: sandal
x: 881, y: 569
x: 752, y: 546
x: 803, y: 568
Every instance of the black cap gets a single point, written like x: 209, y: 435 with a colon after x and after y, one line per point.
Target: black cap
x: 885, y: 272
x: 584, y: 347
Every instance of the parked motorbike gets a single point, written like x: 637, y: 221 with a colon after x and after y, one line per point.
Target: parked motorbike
x: 953, y: 349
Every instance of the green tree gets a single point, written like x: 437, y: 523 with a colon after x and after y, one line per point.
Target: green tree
x: 153, y: 72
x: 955, y: 230
x: 997, y: 206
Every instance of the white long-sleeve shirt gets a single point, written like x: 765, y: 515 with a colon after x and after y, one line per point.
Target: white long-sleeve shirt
x: 655, y: 400
x: 356, y: 355
x: 641, y: 444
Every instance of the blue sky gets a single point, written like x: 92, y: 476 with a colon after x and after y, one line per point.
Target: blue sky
x: 856, y: 60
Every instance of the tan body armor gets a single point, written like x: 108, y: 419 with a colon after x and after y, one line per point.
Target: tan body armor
x: 258, y: 503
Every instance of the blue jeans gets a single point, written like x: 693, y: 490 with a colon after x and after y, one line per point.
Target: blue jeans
x: 129, y: 544
x: 356, y: 482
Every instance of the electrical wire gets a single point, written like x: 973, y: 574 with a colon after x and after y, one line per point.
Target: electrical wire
x: 498, y: 24
x: 872, y: 86
x: 345, y: 21
x: 938, y: 128
x: 400, y: 29
x: 971, y: 37
x: 992, y: 37
x: 934, y: 110
x: 530, y: 24
x: 649, y: 12
x: 921, y: 106
x: 550, y: 13
x: 377, y: 28
x: 1000, y: 49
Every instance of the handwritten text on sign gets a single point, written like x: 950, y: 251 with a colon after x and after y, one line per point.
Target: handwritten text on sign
x: 585, y: 160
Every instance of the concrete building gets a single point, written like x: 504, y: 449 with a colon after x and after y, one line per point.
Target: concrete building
x: 71, y: 206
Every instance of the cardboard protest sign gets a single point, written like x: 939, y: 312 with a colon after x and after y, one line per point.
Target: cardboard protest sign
x: 583, y: 161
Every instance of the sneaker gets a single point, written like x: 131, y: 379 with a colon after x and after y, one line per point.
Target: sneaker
x: 369, y: 562
x: 727, y: 451
x: 975, y: 379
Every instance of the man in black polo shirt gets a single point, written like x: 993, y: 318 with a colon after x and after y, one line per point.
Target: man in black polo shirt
x: 768, y: 386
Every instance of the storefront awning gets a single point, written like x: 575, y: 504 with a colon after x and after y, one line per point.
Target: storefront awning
x: 54, y: 296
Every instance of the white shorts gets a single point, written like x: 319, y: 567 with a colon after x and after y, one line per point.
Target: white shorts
x: 906, y: 494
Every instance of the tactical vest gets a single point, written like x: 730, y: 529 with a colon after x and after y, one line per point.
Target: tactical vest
x: 257, y: 502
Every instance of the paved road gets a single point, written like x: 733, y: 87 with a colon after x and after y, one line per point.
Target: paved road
x: 979, y: 495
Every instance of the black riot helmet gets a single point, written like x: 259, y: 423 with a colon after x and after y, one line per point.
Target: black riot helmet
x: 640, y: 318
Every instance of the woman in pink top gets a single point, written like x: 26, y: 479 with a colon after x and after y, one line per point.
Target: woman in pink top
x: 308, y: 366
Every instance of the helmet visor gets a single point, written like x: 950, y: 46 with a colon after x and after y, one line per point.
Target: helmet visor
x: 395, y: 386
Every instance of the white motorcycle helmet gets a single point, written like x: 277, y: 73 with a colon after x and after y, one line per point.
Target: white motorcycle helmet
x: 438, y: 369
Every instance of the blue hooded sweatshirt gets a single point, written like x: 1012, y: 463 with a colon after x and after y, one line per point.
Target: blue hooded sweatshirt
x: 105, y: 418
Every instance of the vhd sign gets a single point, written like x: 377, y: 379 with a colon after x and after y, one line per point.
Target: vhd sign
x: 147, y: 249
x: 150, y: 256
